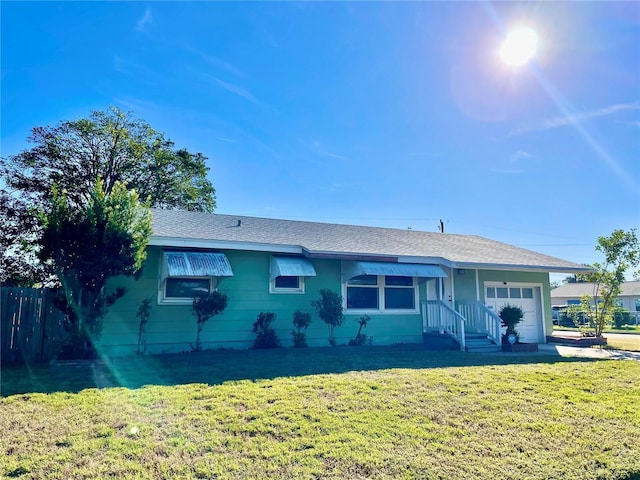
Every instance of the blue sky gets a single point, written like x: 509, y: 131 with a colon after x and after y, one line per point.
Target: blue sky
x: 387, y: 114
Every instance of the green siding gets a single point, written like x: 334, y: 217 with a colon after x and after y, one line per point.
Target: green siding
x: 172, y: 328
x: 464, y: 285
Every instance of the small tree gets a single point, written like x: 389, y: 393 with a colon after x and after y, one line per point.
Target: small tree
x: 360, y: 338
x: 622, y: 252
x: 143, y: 314
x: 205, y: 307
x: 301, y: 321
x: 266, y: 336
x: 329, y: 308
x: 86, y: 244
x: 510, y: 316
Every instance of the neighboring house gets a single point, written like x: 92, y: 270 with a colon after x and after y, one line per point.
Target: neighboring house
x: 570, y: 294
x: 410, y: 283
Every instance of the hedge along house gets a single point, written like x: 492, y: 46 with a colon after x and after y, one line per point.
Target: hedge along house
x: 412, y: 284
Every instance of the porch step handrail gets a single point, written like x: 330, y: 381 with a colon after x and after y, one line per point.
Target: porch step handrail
x: 482, y: 319
x: 437, y: 314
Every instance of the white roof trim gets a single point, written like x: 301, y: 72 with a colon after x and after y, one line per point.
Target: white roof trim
x: 222, y: 245
x: 520, y: 268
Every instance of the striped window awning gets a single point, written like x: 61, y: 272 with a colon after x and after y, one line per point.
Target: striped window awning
x: 195, y: 264
x: 354, y: 269
x: 291, y: 267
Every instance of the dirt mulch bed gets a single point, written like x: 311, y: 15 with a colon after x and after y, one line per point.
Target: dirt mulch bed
x: 577, y: 341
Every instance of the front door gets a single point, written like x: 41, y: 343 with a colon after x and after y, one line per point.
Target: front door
x: 524, y: 296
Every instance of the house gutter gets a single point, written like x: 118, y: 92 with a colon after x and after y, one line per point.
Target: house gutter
x: 222, y: 245
x: 181, y: 242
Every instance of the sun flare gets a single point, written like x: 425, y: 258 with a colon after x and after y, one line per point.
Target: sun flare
x: 519, y: 47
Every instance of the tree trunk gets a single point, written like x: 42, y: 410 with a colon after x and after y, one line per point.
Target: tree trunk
x: 198, y: 344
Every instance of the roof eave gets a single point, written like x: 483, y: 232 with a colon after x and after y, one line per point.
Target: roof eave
x: 181, y: 242
x: 521, y: 267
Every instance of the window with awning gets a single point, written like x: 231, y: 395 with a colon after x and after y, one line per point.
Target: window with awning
x: 354, y: 269
x: 196, y: 264
x: 291, y: 267
x: 287, y: 274
x: 185, y: 275
x: 385, y: 286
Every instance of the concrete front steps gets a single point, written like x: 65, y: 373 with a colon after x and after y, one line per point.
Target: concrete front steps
x: 475, y: 342
x: 479, y: 343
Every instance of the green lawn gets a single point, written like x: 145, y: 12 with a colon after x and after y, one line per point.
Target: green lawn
x: 630, y: 343
x: 366, y: 412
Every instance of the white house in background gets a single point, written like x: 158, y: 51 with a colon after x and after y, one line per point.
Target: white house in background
x: 570, y: 294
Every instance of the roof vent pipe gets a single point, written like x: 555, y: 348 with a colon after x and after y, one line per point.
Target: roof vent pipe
x: 239, y: 223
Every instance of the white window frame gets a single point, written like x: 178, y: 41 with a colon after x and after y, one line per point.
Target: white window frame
x: 162, y: 291
x: 382, y: 310
x: 299, y: 290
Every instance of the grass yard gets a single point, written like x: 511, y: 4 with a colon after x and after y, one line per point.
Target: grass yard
x: 630, y: 343
x: 325, y: 413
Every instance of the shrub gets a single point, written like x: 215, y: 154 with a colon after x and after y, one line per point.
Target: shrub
x: 360, y: 338
x: 143, y: 314
x: 510, y: 316
x: 301, y: 322
x: 329, y: 308
x: 266, y: 336
x: 205, y: 307
x: 621, y: 317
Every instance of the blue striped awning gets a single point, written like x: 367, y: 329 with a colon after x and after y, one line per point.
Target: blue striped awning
x: 291, y: 267
x: 196, y: 264
x: 353, y: 269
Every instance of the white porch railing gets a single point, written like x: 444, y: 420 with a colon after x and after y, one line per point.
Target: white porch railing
x: 479, y: 318
x: 438, y: 315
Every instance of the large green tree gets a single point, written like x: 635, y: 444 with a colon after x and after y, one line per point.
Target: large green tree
x: 110, y: 145
x: 88, y: 244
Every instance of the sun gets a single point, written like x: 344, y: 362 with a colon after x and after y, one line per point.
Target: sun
x: 519, y: 47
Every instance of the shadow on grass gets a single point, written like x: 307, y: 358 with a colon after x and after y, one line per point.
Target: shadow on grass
x: 219, y: 366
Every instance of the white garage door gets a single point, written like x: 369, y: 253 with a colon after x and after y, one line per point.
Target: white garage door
x: 525, y: 297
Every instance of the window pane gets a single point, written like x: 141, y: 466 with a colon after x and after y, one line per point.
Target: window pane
x: 491, y: 292
x: 514, y: 293
x: 364, y: 280
x: 287, y: 282
x: 573, y: 302
x: 399, y: 298
x: 393, y: 280
x: 502, y: 292
x: 186, y: 287
x: 637, y: 304
x: 527, y: 293
x: 362, y: 297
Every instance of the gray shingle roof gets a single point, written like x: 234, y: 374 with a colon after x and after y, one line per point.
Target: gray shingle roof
x: 577, y: 290
x: 345, y: 240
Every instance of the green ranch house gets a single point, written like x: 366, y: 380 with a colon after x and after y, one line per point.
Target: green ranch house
x: 415, y: 286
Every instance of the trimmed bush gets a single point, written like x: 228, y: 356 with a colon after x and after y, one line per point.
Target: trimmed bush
x: 266, y: 336
x: 301, y: 321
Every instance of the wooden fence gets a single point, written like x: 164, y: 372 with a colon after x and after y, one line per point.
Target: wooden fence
x: 31, y: 327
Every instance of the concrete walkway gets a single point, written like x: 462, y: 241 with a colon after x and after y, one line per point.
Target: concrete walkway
x: 587, y: 352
